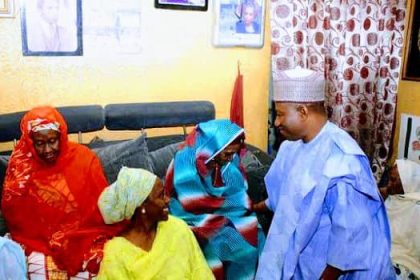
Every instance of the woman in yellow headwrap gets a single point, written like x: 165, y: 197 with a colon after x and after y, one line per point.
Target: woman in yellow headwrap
x: 155, y: 245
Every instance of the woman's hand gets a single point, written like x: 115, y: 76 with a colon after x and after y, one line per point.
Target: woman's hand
x: 259, y: 207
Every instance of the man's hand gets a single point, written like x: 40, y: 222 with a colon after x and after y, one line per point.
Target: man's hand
x: 331, y: 273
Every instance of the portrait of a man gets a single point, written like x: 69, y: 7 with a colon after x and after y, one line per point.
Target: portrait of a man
x: 51, y: 27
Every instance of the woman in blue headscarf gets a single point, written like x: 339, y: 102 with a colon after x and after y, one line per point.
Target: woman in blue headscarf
x: 208, y: 190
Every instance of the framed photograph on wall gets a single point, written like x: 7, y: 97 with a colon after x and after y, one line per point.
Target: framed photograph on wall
x: 239, y: 23
x: 409, y: 138
x: 119, y: 32
x: 411, y: 69
x: 51, y: 27
x: 7, y: 8
x: 197, y: 5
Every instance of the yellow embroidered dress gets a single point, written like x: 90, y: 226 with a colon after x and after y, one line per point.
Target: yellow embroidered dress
x: 175, y: 254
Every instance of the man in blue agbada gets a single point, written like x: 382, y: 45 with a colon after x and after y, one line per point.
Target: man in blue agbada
x: 329, y: 219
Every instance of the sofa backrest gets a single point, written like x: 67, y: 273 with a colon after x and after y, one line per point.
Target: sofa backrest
x: 129, y: 116
x: 135, y: 116
x: 79, y: 119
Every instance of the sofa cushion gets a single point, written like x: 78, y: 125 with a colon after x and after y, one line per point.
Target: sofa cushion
x: 130, y: 153
x: 161, y: 158
x: 3, y: 166
x: 257, y: 192
x: 157, y: 142
x: 263, y: 157
x: 3, y: 228
x: 250, y: 161
x: 4, y: 160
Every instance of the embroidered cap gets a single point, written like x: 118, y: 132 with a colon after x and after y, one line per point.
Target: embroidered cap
x: 299, y: 85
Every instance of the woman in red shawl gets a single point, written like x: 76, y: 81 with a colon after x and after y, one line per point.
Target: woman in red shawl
x: 50, y: 195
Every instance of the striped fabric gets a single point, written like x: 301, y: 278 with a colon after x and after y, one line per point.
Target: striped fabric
x: 220, y: 217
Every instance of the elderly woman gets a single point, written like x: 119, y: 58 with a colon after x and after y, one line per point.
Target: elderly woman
x: 208, y: 191
x: 154, y: 245
x: 50, y: 198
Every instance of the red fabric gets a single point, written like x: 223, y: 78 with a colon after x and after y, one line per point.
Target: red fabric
x: 204, y: 204
x: 217, y: 176
x: 209, y: 228
x: 250, y: 233
x: 169, y: 177
x: 53, y: 208
x: 218, y: 272
x: 190, y: 139
x: 237, y: 103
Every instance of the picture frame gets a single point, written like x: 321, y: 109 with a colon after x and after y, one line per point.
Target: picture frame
x: 195, y: 5
x: 119, y: 32
x: 7, y: 8
x: 51, y: 28
x: 409, y: 138
x: 239, y: 23
x: 410, y: 70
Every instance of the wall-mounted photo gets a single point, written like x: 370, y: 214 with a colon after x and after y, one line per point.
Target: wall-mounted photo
x: 7, y: 8
x: 409, y: 139
x: 52, y: 27
x: 117, y: 32
x: 239, y: 23
x: 411, y: 69
x: 197, y: 5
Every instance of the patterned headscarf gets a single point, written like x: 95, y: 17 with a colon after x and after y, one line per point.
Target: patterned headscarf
x: 43, y: 124
x: 119, y: 201
x: 209, y: 139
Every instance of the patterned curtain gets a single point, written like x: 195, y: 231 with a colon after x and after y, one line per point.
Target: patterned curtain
x: 358, y: 45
